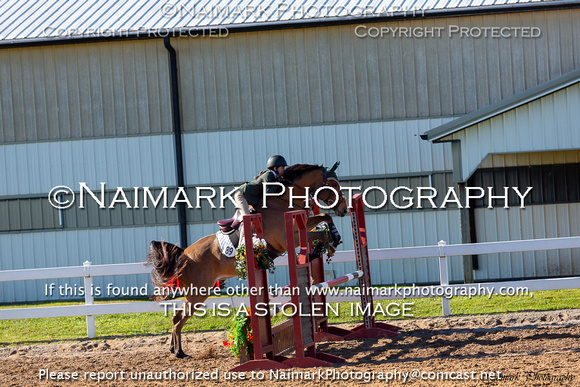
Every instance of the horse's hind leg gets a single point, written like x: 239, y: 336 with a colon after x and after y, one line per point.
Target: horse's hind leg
x: 179, y: 320
x: 174, y: 321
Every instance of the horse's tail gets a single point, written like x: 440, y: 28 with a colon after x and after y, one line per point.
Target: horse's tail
x: 167, y: 260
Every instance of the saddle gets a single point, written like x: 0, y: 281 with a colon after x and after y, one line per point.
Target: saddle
x: 228, y: 225
x: 228, y: 237
x: 233, y: 223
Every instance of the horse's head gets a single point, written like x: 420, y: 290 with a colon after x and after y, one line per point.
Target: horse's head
x: 336, y: 201
x: 321, y: 181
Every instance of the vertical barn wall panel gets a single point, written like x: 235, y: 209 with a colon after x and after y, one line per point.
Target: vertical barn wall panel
x: 329, y: 75
x: 529, y: 159
x: 533, y: 222
x: 82, y: 91
x: 547, y: 123
x: 35, y: 168
x: 393, y: 147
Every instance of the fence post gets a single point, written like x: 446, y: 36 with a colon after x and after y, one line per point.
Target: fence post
x: 89, y: 299
x: 444, y: 276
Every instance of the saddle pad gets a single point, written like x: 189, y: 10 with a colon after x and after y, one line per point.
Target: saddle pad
x: 227, y: 247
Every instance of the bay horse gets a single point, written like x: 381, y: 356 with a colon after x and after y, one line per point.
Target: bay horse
x: 202, y: 264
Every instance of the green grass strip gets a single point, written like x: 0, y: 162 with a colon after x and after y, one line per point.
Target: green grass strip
x: 65, y: 328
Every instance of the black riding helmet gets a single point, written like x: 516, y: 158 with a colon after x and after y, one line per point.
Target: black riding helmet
x: 276, y: 161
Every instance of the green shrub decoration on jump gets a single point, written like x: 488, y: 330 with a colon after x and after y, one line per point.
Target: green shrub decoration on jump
x: 240, y: 335
x: 323, y: 227
x: 262, y: 258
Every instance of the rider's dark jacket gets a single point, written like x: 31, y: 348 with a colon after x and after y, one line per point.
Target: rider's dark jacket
x: 252, y: 190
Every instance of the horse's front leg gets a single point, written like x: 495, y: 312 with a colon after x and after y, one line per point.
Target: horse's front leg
x: 313, y: 221
x: 321, y: 239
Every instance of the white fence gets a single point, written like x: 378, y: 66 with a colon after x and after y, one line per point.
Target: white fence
x: 442, y: 250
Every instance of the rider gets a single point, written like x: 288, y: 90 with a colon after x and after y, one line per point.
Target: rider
x: 251, y: 192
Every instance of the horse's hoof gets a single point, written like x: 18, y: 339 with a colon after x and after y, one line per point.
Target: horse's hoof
x: 181, y: 355
x: 172, y: 349
x: 331, y: 251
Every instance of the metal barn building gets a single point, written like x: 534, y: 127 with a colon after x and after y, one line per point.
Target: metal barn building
x: 403, y: 93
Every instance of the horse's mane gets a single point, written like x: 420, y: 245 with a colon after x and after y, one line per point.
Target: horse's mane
x: 297, y: 170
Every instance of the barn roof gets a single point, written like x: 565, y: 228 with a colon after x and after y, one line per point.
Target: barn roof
x: 54, y: 21
x: 503, y: 106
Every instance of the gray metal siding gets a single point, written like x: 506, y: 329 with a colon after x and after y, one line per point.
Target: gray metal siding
x: 329, y: 75
x: 315, y: 95
x: 35, y: 168
x: 533, y: 222
x: 94, y: 217
x: 548, y: 123
x: 80, y: 91
x: 364, y: 149
x: 36, y: 213
x: 535, y: 158
x: 72, y: 248
x: 403, y: 229
x: 26, y: 214
x: 277, y: 78
x: 548, y: 184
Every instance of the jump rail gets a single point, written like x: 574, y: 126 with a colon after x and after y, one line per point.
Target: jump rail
x: 338, y: 281
x: 298, y: 332
x: 370, y: 328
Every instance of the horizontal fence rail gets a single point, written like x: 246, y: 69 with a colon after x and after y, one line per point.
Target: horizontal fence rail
x: 442, y: 251
x: 74, y: 271
x: 461, y: 249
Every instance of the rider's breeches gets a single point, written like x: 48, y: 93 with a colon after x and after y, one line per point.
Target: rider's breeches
x: 242, y: 203
x: 244, y: 209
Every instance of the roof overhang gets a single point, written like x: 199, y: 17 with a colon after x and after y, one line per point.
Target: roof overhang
x: 291, y: 24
